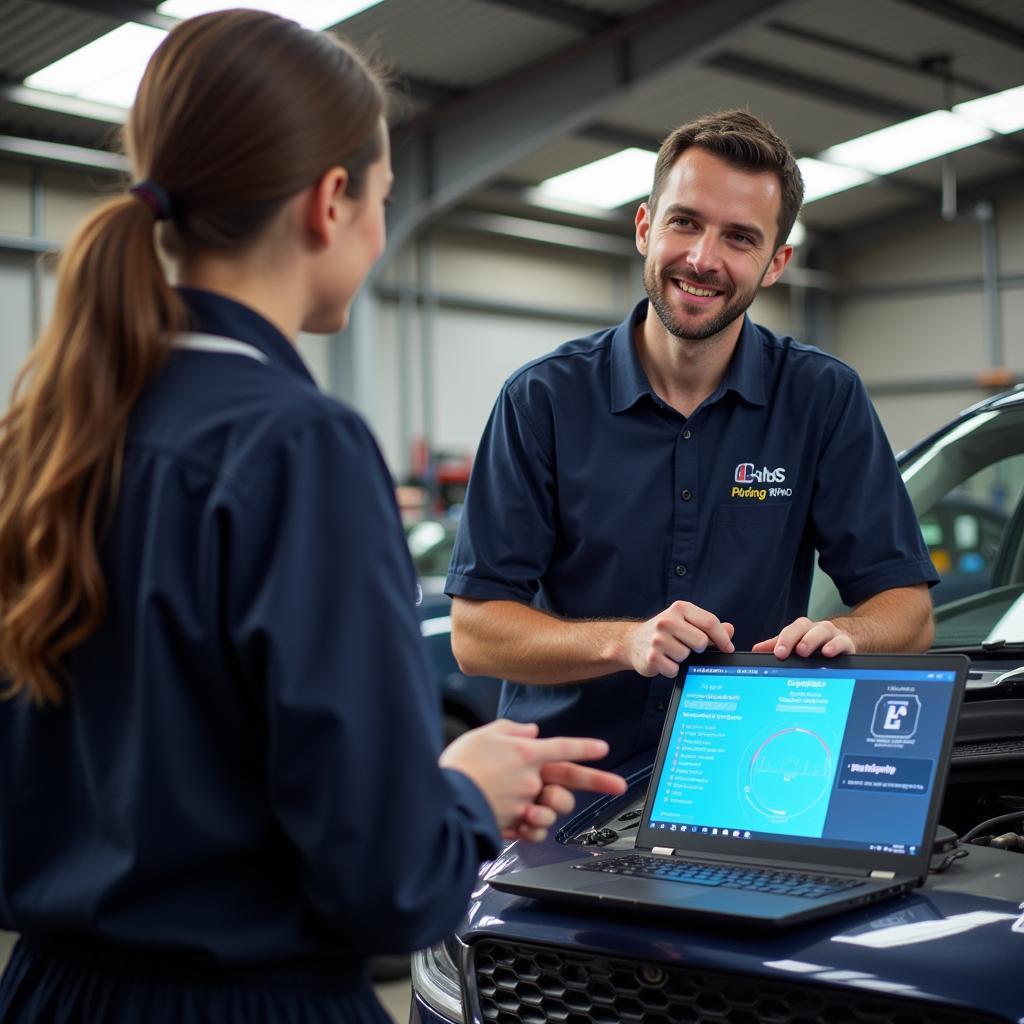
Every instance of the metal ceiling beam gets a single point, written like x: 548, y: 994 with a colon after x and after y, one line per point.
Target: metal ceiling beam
x: 813, y: 85
x: 119, y: 10
x: 877, y: 56
x: 71, y: 106
x: 824, y: 88
x: 59, y: 153
x: 445, y: 153
x: 620, y: 137
x: 986, y: 24
x: 564, y: 14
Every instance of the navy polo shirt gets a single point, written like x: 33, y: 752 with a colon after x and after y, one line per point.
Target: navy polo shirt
x: 591, y: 498
x: 244, y: 771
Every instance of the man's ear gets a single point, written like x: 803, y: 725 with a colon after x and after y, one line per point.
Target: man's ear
x: 782, y: 256
x: 643, y: 219
x: 326, y: 205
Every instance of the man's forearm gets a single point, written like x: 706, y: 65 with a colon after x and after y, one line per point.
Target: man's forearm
x: 514, y: 641
x: 894, y: 620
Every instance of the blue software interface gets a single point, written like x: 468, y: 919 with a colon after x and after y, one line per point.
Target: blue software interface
x: 827, y: 756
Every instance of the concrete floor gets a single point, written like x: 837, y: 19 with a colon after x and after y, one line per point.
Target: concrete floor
x: 395, y: 995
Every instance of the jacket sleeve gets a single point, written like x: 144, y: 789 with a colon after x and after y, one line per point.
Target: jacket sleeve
x: 323, y: 621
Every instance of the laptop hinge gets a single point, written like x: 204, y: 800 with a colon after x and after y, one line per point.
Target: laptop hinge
x: 664, y: 851
x: 882, y: 874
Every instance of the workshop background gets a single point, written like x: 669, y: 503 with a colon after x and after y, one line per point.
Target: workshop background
x: 911, y: 265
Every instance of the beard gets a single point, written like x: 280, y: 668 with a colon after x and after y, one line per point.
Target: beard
x: 736, y: 303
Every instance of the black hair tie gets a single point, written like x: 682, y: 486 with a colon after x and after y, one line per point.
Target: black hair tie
x: 155, y: 196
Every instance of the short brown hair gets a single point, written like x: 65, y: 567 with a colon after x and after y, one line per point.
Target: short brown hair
x: 745, y: 142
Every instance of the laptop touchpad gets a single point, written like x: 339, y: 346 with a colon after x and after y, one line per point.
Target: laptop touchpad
x: 642, y: 889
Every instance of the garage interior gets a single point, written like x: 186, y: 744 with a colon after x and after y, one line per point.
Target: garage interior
x: 909, y: 269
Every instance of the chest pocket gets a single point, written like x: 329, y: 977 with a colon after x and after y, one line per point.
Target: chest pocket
x: 743, y: 535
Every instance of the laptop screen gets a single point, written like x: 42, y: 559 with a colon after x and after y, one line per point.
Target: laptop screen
x: 828, y: 756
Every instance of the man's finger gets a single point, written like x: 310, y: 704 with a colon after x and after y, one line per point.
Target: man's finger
x: 765, y: 646
x: 579, y: 777
x: 839, y: 644
x: 789, y: 637
x: 711, y: 630
x: 815, y: 637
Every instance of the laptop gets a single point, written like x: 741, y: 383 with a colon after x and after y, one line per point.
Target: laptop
x: 782, y: 791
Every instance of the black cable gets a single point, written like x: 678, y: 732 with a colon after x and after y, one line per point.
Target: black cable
x: 992, y: 823
x: 957, y: 854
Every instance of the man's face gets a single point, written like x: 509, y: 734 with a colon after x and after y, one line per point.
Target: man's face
x: 709, y: 244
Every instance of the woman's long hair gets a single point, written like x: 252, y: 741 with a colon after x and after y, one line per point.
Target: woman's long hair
x: 237, y: 112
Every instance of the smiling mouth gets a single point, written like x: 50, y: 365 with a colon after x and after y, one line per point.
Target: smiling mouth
x: 696, y: 290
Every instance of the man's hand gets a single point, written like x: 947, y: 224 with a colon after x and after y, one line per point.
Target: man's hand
x: 659, y: 645
x: 528, y: 781
x: 805, y: 637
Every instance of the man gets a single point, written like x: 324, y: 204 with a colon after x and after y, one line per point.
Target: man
x: 662, y: 486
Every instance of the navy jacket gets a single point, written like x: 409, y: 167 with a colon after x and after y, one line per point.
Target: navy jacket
x: 245, y: 767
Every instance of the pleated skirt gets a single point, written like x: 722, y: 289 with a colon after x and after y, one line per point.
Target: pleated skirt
x: 49, y: 986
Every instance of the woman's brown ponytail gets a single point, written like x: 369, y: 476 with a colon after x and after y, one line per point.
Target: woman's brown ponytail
x: 237, y: 112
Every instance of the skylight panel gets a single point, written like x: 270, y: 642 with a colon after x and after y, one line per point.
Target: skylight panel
x: 314, y: 14
x: 1002, y: 111
x: 606, y: 183
x: 107, y: 70
x: 908, y: 143
x: 823, y: 179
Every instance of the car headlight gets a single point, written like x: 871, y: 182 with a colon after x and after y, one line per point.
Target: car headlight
x: 435, y: 979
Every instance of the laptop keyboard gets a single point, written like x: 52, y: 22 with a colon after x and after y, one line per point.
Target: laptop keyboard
x: 672, y: 869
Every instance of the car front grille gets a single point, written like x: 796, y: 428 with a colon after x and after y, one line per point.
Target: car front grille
x: 525, y: 984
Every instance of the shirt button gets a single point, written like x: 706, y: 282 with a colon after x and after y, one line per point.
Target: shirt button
x: 686, y: 435
x: 680, y: 570
x: 685, y: 495
x: 660, y: 705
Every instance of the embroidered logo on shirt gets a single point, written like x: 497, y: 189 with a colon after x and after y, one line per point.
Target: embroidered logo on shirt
x: 747, y: 473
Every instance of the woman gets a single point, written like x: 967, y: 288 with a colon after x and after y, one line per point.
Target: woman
x: 220, y: 781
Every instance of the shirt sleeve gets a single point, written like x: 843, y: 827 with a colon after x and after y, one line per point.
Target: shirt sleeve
x: 322, y: 615
x: 867, y: 533
x: 507, y: 530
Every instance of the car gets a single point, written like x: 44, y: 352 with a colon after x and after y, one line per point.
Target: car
x: 467, y: 701
x: 948, y: 952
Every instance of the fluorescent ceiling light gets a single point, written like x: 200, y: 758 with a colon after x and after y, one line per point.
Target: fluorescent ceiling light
x: 797, y: 236
x: 826, y: 179
x: 314, y: 14
x: 908, y: 143
x: 1002, y: 111
x: 107, y: 70
x: 605, y: 183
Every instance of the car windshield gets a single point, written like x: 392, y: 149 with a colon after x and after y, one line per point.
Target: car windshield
x: 430, y: 544
x: 966, y: 487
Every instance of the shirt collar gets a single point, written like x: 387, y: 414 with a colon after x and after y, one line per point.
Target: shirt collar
x: 745, y: 372
x: 226, y: 318
x: 629, y: 383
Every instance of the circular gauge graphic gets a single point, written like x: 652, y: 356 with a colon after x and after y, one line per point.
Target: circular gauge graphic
x: 787, y: 774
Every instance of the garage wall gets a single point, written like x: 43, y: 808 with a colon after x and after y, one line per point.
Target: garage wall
x: 911, y: 309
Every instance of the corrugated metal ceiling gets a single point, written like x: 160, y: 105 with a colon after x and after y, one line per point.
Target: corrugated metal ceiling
x: 837, y: 70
